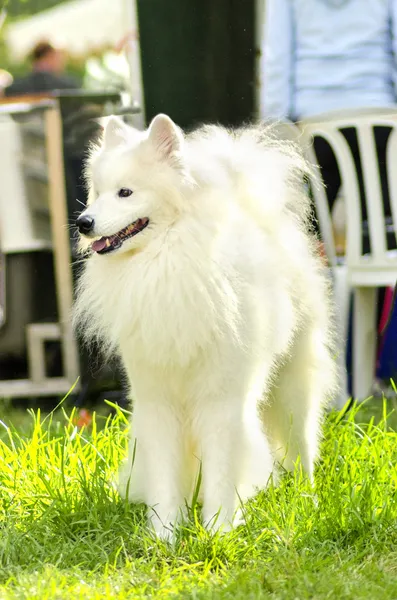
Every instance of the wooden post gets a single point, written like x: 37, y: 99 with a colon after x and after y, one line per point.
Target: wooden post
x: 60, y: 239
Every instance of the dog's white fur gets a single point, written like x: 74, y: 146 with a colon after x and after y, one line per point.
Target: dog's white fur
x: 219, y: 310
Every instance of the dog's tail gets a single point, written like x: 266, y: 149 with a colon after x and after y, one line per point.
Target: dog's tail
x: 269, y: 174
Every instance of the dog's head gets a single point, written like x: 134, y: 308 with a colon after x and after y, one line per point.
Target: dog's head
x: 136, y: 185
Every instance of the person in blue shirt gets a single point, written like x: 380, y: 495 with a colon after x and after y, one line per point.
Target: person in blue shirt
x: 325, y: 55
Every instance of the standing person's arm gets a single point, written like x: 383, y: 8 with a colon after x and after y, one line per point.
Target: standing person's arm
x: 278, y: 61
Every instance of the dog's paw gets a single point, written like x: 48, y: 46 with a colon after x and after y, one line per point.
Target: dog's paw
x: 222, y: 522
x: 238, y: 518
x: 165, y: 531
x: 127, y: 484
x: 123, y: 483
x: 163, y: 521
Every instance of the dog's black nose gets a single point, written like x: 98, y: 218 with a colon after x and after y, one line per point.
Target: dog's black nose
x: 85, y: 224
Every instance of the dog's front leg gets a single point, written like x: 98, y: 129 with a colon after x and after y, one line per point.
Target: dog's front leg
x: 221, y: 440
x: 159, y: 451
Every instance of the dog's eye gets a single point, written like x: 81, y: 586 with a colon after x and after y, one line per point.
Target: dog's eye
x: 124, y: 193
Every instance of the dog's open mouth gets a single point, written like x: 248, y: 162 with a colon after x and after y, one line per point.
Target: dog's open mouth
x: 113, y: 242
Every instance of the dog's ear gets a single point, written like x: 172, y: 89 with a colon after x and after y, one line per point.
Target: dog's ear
x: 166, y: 137
x: 115, y: 133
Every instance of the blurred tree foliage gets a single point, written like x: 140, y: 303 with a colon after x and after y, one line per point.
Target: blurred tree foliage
x: 23, y: 8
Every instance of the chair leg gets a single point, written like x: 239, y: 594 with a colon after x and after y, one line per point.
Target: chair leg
x: 342, y: 302
x: 364, y: 341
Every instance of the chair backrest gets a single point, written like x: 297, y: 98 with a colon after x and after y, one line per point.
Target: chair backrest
x: 287, y: 130
x: 361, y: 197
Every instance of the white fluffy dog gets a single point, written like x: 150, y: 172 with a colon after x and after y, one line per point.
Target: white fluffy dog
x: 202, y: 277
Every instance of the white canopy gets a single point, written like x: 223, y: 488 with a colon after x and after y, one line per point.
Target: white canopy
x: 79, y: 26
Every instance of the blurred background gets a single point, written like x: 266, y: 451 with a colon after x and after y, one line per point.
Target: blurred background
x: 64, y: 64
x: 194, y: 54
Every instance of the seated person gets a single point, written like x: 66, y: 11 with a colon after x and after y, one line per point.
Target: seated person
x: 47, y: 74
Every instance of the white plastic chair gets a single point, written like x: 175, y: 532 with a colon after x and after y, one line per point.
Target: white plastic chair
x: 364, y: 272
x: 288, y: 130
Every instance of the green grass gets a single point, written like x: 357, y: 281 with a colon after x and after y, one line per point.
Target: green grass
x: 64, y: 533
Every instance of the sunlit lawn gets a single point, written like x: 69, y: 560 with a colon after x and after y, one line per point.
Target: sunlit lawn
x: 66, y: 534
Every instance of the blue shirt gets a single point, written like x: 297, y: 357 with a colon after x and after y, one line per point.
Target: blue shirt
x: 322, y: 55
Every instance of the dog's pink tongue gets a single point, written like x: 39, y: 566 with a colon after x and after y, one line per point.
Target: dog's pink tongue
x: 99, y: 245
